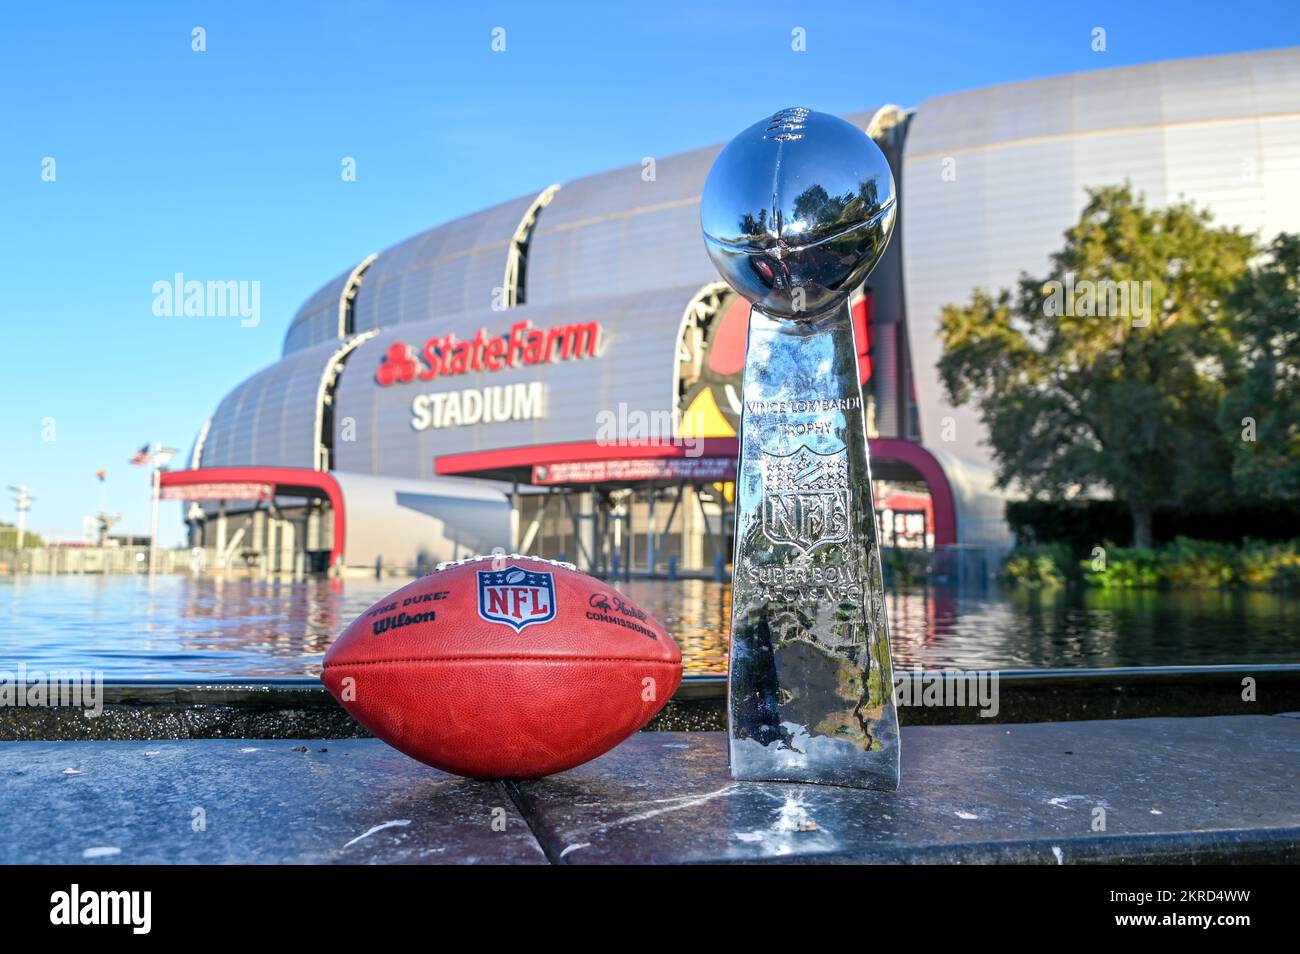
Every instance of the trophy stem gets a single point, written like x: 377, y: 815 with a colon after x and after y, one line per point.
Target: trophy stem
x: 810, y: 693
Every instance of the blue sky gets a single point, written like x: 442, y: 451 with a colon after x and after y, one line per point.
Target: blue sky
x: 225, y: 164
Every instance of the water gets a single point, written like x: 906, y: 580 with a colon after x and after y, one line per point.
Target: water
x: 182, y: 627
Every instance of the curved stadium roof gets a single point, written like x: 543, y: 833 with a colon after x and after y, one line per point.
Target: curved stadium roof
x: 611, y: 233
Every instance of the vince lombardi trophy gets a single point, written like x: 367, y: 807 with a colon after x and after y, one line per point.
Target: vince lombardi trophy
x: 796, y: 212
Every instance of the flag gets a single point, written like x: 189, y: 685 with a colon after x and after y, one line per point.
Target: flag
x: 141, y: 457
x: 101, y: 474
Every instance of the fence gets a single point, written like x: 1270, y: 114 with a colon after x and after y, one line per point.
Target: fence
x: 103, y: 560
x: 962, y: 565
x: 959, y: 566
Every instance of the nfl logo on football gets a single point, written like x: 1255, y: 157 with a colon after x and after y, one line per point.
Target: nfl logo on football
x: 516, y: 597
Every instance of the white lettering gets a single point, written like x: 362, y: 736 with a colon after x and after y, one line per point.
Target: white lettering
x: 75, y: 906
x: 507, y: 402
x: 420, y: 419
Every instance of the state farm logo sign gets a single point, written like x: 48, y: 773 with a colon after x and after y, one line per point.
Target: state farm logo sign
x: 523, y: 345
x: 447, y: 356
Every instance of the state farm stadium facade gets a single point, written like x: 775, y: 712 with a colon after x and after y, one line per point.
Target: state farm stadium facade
x: 559, y: 373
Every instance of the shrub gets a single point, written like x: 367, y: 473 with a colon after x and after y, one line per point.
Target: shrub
x: 1125, y: 568
x: 1181, y: 564
x: 1083, y: 523
x: 1037, y: 567
x: 904, y: 566
x: 1263, y: 565
x: 1189, y: 564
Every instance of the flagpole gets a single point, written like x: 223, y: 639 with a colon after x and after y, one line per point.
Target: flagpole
x: 153, y: 533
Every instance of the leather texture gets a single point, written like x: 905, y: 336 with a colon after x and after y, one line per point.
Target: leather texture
x: 447, y: 684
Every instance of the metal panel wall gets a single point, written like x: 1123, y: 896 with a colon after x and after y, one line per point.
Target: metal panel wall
x: 270, y: 418
x: 318, y: 318
x: 1223, y: 131
x: 447, y: 270
x: 615, y: 233
x: 602, y: 235
x: 638, y: 348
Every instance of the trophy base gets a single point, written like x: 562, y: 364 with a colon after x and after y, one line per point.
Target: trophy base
x: 819, y: 760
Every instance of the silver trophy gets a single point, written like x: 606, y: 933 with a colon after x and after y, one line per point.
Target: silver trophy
x: 796, y: 212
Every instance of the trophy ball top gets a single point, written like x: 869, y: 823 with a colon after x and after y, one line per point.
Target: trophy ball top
x: 796, y: 211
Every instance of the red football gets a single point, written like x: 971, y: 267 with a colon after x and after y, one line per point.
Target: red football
x: 504, y: 667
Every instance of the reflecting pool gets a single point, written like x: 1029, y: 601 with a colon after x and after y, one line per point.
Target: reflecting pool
x: 185, y: 627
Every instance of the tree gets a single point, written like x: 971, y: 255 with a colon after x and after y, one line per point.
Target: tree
x: 1261, y: 412
x: 9, y: 538
x: 1108, y: 373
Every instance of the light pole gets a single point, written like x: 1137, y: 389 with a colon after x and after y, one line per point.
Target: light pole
x: 161, y: 456
x: 153, y: 520
x: 23, y: 503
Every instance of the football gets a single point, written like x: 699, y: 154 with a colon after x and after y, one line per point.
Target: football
x: 504, y: 667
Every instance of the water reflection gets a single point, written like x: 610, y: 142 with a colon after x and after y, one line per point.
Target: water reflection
x: 180, y: 627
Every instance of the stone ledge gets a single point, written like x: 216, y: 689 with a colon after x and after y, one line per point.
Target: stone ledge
x: 301, y: 708
x: 1196, y: 790
x: 1216, y: 789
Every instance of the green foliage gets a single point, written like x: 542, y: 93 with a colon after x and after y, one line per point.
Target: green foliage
x: 1198, y: 564
x: 1262, y: 565
x: 1182, y: 565
x: 904, y: 566
x: 9, y: 538
x: 1037, y: 567
x: 1083, y: 524
x: 1076, y: 397
x: 1262, y: 408
x: 1124, y: 568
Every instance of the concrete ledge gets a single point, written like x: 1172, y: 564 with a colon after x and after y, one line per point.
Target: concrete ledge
x: 1203, y: 790
x: 248, y: 802
x: 278, y: 709
x: 1200, y: 790
x: 303, y: 709
x: 1140, y: 692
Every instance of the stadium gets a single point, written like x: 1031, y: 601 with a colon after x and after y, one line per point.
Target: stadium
x: 559, y: 373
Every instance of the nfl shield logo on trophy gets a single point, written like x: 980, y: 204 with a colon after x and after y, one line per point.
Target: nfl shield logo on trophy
x: 806, y: 500
x: 516, y: 597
